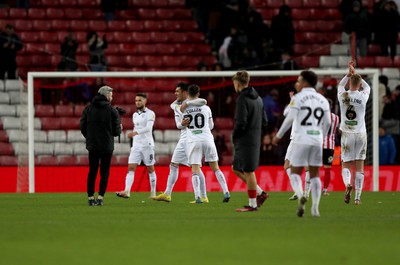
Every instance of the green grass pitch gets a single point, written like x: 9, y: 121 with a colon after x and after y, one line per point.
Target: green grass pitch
x: 59, y: 228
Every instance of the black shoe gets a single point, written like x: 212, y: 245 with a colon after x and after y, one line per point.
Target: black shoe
x: 100, y: 202
x: 92, y: 202
x: 262, y: 198
x: 301, y: 206
x: 227, y: 197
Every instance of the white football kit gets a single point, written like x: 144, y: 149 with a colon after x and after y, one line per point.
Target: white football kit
x: 200, y: 141
x: 352, y: 113
x: 143, y: 143
x: 310, y: 115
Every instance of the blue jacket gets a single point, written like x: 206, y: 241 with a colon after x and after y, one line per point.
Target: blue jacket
x: 387, y: 150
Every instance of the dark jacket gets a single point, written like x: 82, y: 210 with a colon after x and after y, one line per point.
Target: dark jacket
x: 99, y: 124
x: 250, y: 119
x: 8, y: 54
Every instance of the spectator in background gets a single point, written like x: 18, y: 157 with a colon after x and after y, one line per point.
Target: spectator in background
x: 346, y: 7
x: 272, y: 107
x: 287, y: 62
x: 97, y: 46
x: 108, y: 8
x: 10, y: 44
x: 358, y: 22
x: 236, y: 48
x: 387, y: 148
x: 388, y: 19
x: 268, y: 151
x: 282, y: 30
x: 68, y: 53
x: 256, y: 30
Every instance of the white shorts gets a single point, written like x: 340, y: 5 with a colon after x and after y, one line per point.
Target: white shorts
x: 354, y: 146
x: 179, y: 156
x: 306, y: 155
x: 142, y: 153
x: 196, y: 151
x: 289, y: 151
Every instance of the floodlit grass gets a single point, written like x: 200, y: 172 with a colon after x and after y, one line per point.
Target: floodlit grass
x: 59, y: 229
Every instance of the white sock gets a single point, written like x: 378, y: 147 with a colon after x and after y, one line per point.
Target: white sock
x: 196, y: 185
x: 307, y: 185
x: 259, y: 190
x: 253, y: 202
x: 359, y: 184
x: 222, y: 181
x: 203, y: 188
x: 129, y: 181
x: 153, y: 182
x: 288, y: 172
x: 346, y: 175
x: 316, y: 186
x: 297, y: 186
x: 172, y: 178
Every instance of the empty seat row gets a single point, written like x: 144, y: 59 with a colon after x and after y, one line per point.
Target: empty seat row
x: 317, y: 37
x: 317, y: 26
x: 304, y: 13
x: 115, y: 37
x: 94, y: 3
x: 297, y: 3
x: 58, y: 110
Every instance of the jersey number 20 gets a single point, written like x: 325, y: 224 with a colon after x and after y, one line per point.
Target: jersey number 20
x: 198, y: 121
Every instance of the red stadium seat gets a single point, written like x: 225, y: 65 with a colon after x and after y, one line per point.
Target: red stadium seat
x: 152, y: 61
x: 154, y: 98
x: 50, y: 3
x: 365, y: 61
x: 311, y: 3
x: 163, y: 110
x: 41, y: 25
x: 116, y: 60
x: 87, y: 3
x: 383, y: 61
x: 333, y: 14
x: 24, y: 61
x: 300, y: 49
x: 145, y: 48
x: 152, y: 25
x: 170, y: 25
x: 171, y: 61
x: 177, y: 37
x: 69, y: 123
x: 374, y: 49
x: 134, y: 61
x: 164, y: 48
x: 46, y: 160
x: 27, y: 36
x: 54, y: 13
x: 17, y: 13
x: 165, y: 123
x: 52, y: 48
x: 72, y: 13
x: 68, y: 3
x: 92, y: 14
x: 259, y: 3
x: 21, y: 25
x: 78, y: 25
x: 202, y: 48
x: 97, y: 25
x: 59, y: 25
x: 66, y: 160
x: 47, y: 36
x: 3, y: 136
x: 113, y: 48
x: 162, y: 37
x: 330, y: 4
x: 44, y: 111
x: 223, y: 123
x: 164, y: 14
x: 128, y: 48
x: 142, y: 37
x: 6, y: 149
x: 304, y: 25
x: 116, y: 25
x: 122, y: 37
x: 134, y: 25
x: 331, y: 26
x: 163, y: 160
x: 396, y: 61
x: 317, y: 13
x: 141, y: 3
x: 267, y: 14
x: 43, y: 60
x: 8, y: 160
x: 78, y: 109
x: 83, y: 160
x: 63, y: 111
x: 194, y: 36
x: 36, y: 13
x: 159, y: 3
x: 49, y: 123
x: 300, y: 14
x: 182, y: 13
x: 294, y: 3
x: 309, y: 61
x: 146, y: 13
x: 3, y: 13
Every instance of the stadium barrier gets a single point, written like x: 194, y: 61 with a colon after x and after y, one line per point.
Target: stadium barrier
x: 270, y: 178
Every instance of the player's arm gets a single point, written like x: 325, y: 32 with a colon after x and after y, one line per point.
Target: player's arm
x: 326, y: 122
x: 365, y: 87
x: 287, y: 123
x: 147, y: 128
x: 210, y: 120
x: 198, y: 102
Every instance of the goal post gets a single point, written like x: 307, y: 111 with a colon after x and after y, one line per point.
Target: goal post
x: 337, y: 73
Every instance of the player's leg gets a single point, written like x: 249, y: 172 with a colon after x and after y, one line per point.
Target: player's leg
x: 221, y: 180
x: 286, y: 166
x: 307, y: 183
x: 347, y: 156
x: 315, y: 163
x: 105, y: 164
x: 149, y: 161
x: 129, y: 179
x: 196, y: 183
x: 360, y: 153
x: 203, y: 186
x: 195, y: 155
x: 91, y: 180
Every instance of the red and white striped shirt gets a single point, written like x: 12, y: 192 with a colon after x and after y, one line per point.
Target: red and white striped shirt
x: 329, y: 140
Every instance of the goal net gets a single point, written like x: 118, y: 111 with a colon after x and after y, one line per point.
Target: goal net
x: 55, y: 101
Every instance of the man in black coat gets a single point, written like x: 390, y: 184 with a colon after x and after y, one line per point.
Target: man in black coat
x: 99, y: 124
x: 250, y: 120
x: 10, y: 44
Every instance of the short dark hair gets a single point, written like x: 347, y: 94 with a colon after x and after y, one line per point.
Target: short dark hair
x: 183, y: 86
x: 143, y: 95
x: 310, y: 77
x: 193, y: 90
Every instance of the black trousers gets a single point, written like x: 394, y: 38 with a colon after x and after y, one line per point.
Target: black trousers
x: 103, y: 158
x: 10, y: 69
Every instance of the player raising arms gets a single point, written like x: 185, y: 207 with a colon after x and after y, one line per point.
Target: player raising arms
x: 200, y: 142
x: 143, y: 146
x: 352, y: 104
x: 309, y: 112
x: 179, y: 156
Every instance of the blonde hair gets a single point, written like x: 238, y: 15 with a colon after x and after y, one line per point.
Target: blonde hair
x: 355, y: 80
x: 242, y: 77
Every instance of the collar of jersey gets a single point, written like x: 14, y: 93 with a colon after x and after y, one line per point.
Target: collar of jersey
x: 140, y: 112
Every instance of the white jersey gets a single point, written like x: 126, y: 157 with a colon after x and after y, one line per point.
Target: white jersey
x: 143, y: 122
x: 352, y: 107
x: 329, y: 140
x: 310, y: 114
x: 175, y: 106
x: 201, y: 124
